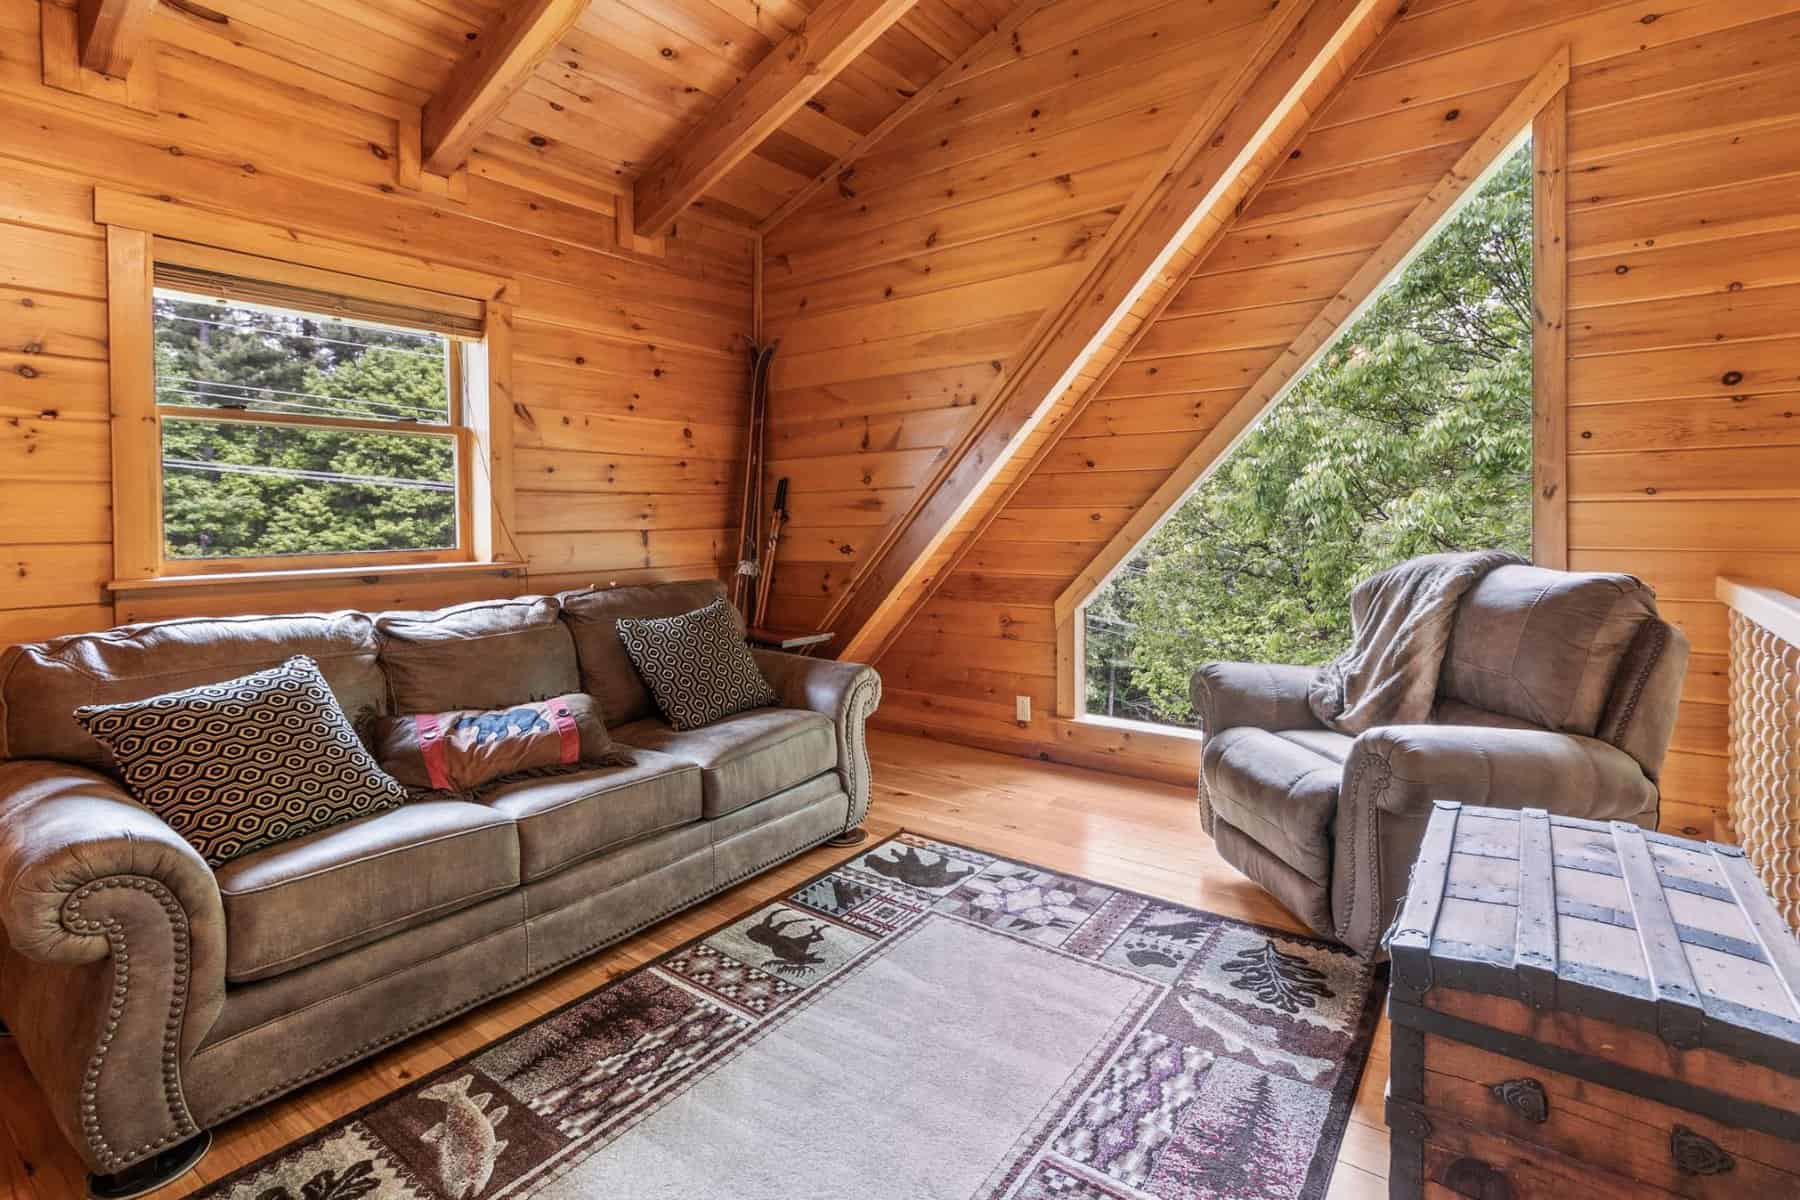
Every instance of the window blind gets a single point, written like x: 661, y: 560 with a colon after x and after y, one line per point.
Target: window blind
x: 308, y: 290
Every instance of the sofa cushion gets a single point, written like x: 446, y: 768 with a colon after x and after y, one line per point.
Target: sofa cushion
x: 42, y: 684
x: 697, y: 666
x: 320, y: 895
x: 484, y: 655
x: 565, y: 818
x: 746, y: 757
x: 1543, y: 645
x: 1279, y: 793
x: 592, y: 615
x: 243, y: 764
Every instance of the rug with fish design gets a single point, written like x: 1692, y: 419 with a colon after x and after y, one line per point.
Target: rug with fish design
x: 922, y: 1021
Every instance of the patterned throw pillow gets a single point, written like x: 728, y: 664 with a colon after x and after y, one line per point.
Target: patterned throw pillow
x: 459, y: 751
x: 243, y: 764
x: 696, y: 665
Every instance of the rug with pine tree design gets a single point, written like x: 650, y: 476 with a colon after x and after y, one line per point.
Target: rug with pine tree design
x: 923, y: 1021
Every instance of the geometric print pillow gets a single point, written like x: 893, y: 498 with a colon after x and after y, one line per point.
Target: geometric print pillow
x: 246, y: 763
x: 696, y: 665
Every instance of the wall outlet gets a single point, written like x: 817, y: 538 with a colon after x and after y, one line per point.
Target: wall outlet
x: 1022, y: 709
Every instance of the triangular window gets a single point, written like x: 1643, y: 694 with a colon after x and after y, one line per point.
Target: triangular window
x: 1410, y: 435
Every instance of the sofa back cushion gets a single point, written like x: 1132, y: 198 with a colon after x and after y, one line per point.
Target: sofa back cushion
x: 1544, y: 646
x: 43, y: 683
x: 482, y: 655
x: 606, y: 671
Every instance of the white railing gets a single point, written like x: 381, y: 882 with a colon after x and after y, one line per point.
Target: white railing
x: 1763, y: 777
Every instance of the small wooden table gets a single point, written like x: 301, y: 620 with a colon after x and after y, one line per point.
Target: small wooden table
x: 792, y: 641
x: 1588, y: 1011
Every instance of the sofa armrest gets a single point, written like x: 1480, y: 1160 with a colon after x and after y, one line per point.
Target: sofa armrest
x: 1261, y: 695
x: 1394, y: 774
x: 117, y: 963
x: 848, y: 693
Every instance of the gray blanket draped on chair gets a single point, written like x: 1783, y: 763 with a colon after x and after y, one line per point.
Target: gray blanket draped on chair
x: 1400, y: 624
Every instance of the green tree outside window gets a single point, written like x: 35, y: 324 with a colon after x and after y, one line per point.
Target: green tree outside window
x: 1411, y: 435
x: 235, y: 489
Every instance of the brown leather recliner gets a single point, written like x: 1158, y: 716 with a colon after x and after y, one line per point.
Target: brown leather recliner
x: 1559, y: 691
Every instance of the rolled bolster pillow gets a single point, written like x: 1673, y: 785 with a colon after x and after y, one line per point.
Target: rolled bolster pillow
x: 460, y: 750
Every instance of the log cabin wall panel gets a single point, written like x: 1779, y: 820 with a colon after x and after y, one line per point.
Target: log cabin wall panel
x: 628, y: 370
x: 902, y: 292
x: 1684, y: 335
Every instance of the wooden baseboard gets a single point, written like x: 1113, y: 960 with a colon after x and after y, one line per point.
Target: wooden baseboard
x: 1115, y: 748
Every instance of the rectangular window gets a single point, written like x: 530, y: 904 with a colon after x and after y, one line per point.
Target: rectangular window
x: 333, y: 411
x: 289, y: 432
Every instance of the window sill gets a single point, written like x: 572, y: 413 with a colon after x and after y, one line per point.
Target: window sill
x: 319, y: 575
x: 1140, y: 727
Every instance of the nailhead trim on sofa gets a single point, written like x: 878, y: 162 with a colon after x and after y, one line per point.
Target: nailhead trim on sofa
x: 859, y: 706
x: 1365, y: 873
x: 1642, y: 681
x: 114, y: 933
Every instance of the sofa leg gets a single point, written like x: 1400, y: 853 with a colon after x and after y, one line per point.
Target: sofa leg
x: 850, y: 837
x: 153, y: 1172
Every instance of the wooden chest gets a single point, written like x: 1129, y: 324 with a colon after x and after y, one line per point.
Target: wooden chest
x: 1586, y: 1011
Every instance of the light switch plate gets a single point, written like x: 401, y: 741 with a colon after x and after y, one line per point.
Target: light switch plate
x: 1022, y: 709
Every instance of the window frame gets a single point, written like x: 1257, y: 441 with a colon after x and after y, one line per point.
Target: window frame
x: 479, y: 405
x: 1540, y: 113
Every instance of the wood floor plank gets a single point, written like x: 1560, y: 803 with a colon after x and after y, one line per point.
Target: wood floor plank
x: 1127, y: 832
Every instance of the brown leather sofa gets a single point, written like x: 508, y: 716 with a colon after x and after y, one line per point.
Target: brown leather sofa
x: 153, y: 998
x: 1559, y: 691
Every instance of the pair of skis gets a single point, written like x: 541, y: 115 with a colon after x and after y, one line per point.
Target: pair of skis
x: 756, y: 556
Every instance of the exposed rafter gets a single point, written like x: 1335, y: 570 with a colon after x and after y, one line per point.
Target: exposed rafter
x: 1319, y: 333
x: 111, y: 34
x: 959, y: 67
x: 1141, y: 324
x: 1241, y: 125
x: 488, y: 74
x: 792, y: 73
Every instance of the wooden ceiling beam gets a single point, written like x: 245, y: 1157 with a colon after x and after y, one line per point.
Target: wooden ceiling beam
x: 489, y: 73
x: 110, y: 34
x: 795, y: 71
x: 840, y: 169
x: 1241, y: 127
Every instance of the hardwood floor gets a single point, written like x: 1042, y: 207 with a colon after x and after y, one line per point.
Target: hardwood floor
x: 1128, y: 832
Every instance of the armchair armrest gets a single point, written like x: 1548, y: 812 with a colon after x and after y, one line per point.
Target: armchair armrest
x: 116, y: 967
x: 848, y: 693
x: 1394, y: 773
x: 1264, y: 696
x: 1227, y: 695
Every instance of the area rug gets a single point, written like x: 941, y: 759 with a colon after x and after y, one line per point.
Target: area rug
x: 923, y: 1021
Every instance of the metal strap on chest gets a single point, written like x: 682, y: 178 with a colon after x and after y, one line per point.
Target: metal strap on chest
x: 1534, y: 944
x: 1679, y: 1016
x: 1409, y: 941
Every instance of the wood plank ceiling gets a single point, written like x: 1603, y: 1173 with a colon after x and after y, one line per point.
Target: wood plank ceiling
x: 622, y: 88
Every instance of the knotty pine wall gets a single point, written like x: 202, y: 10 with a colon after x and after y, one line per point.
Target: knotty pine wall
x: 628, y: 370
x: 902, y: 294
x: 1684, y: 333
